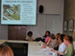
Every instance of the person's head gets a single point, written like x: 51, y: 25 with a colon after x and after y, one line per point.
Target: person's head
x: 47, y: 33
x: 52, y: 37
x: 60, y: 39
x: 57, y: 35
x: 68, y: 39
x: 30, y: 33
x: 6, y: 51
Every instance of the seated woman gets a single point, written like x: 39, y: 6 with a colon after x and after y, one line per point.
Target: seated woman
x: 52, y: 43
x: 69, y: 51
x: 29, y: 36
x: 6, y: 51
x: 62, y: 46
x: 46, y: 37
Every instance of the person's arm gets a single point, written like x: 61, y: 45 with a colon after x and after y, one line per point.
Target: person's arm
x: 33, y: 38
x: 61, y: 53
x: 57, y: 52
x: 27, y: 38
x: 70, y: 51
x: 48, y: 42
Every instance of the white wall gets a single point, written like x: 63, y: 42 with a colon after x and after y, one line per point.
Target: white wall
x: 39, y: 29
x: 52, y: 23
x: 51, y: 19
x: 51, y: 6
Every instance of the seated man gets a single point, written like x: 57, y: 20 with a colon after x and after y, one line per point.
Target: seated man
x: 29, y: 36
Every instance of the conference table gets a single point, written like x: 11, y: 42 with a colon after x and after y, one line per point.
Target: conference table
x: 34, y: 48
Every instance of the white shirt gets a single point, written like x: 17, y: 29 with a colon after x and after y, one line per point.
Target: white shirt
x: 30, y: 38
x: 62, y: 47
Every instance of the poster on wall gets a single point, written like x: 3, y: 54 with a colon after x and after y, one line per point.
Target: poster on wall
x: 65, y: 25
x: 71, y: 25
x: 22, y: 12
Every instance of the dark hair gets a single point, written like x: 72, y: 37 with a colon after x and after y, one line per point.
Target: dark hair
x: 48, y: 33
x: 58, y: 33
x: 52, y: 36
x: 69, y: 38
x: 62, y: 36
x: 30, y: 32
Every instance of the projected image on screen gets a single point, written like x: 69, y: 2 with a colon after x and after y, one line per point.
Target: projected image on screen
x: 11, y: 12
x: 18, y: 12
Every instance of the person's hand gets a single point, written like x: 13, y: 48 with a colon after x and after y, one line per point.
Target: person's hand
x: 52, y: 50
x: 43, y: 46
